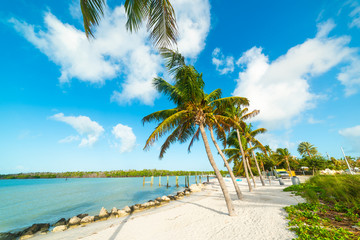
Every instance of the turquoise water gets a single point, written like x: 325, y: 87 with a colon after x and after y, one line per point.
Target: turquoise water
x: 27, y: 201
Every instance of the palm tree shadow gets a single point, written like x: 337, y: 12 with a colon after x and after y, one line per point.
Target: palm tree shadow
x: 199, y: 205
x: 120, y: 227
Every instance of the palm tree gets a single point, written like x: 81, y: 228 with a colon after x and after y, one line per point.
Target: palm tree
x: 283, y: 154
x: 307, y: 148
x: 239, y: 115
x: 194, y: 109
x: 250, y: 135
x: 159, y: 15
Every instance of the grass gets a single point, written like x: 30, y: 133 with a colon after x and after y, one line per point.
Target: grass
x: 332, y: 208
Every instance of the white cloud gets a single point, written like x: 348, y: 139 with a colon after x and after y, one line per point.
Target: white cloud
x: 193, y: 19
x: 312, y: 120
x: 355, y: 15
x: 223, y: 64
x: 88, y: 129
x: 352, y: 135
x: 280, y: 89
x: 115, y: 52
x: 69, y: 139
x: 126, y: 136
x: 276, y: 141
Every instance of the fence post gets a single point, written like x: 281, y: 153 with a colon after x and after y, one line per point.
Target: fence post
x: 196, y: 179
x: 167, y: 181
x: 177, y: 181
x: 159, y: 181
x: 144, y: 181
x: 152, y: 180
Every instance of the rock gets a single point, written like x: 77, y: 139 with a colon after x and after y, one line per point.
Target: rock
x: 7, y: 236
x: 134, y: 207
x: 28, y: 232
x: 145, y: 205
x: 122, y: 213
x: 187, y: 193
x: 172, y: 197
x: 356, y: 227
x: 96, y: 218
x: 74, y: 221
x: 103, y: 213
x: 114, y: 211
x: 60, y: 228
x: 151, y: 203
x: 176, y: 197
x: 87, y: 219
x: 81, y: 216
x: 127, y: 209
x: 165, y: 199
x: 60, y: 222
x: 180, y: 194
x: 195, y: 188
x: 158, y: 199
x: 157, y: 203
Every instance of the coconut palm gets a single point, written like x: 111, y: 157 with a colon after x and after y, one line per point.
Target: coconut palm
x: 158, y: 14
x: 239, y: 115
x: 250, y: 135
x: 307, y: 148
x: 283, y: 154
x: 192, y: 114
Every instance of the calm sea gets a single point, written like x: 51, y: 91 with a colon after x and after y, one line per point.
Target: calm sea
x: 28, y: 201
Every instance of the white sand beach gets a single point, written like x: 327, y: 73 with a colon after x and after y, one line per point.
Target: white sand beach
x: 203, y: 215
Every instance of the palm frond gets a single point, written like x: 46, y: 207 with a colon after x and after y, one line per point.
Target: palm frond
x: 136, y: 11
x: 92, y: 11
x: 194, y: 138
x: 159, y: 115
x: 173, y: 60
x: 162, y: 23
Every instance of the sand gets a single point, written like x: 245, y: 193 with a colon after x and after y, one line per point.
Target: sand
x: 202, y: 215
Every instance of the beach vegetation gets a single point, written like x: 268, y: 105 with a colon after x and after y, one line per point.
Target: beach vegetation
x: 332, y: 208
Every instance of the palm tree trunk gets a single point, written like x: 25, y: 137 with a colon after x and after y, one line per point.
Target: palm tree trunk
x: 238, y: 192
x: 287, y: 162
x: 251, y: 173
x: 244, y: 161
x: 257, y: 165
x: 223, y: 187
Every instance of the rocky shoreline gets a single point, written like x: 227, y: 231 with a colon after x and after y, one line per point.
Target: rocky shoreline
x: 84, y: 219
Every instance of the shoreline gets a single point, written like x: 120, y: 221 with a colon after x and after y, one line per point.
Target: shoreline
x: 202, y: 215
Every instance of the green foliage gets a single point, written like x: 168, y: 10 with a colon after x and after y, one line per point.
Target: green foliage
x: 108, y: 174
x: 333, y: 207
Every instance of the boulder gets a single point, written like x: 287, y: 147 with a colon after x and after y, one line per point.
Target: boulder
x: 151, y: 203
x: 157, y: 203
x: 158, y: 199
x: 187, y: 193
x: 165, y: 199
x: 114, y: 211
x: 60, y: 222
x: 122, y: 213
x: 74, y: 221
x: 127, y: 209
x: 172, y: 197
x: 81, y: 216
x: 103, y: 213
x: 28, y: 232
x: 87, y: 219
x: 60, y: 228
x: 96, y: 218
x: 195, y: 188
x: 7, y: 236
x: 134, y: 207
x: 145, y: 205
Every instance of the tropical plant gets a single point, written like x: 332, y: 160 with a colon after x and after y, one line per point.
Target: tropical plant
x: 250, y: 135
x: 192, y: 114
x: 306, y: 148
x: 283, y: 155
x: 159, y: 15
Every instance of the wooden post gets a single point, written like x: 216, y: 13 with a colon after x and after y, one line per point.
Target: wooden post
x: 196, y: 179
x: 167, y: 180
x: 177, y: 181
x: 159, y: 181
x: 144, y: 181
x: 152, y: 180
x: 200, y: 178
x: 185, y: 181
x: 207, y: 178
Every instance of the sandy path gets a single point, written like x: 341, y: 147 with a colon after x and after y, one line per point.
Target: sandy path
x: 201, y: 216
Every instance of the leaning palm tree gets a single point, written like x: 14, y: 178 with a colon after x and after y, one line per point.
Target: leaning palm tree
x: 158, y: 14
x: 194, y: 109
x: 307, y: 148
x: 283, y: 154
x: 250, y: 135
x: 239, y: 115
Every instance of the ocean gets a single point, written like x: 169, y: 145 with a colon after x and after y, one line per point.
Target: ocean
x: 24, y: 202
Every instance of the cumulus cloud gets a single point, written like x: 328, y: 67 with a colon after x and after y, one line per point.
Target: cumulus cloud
x: 223, y: 64
x: 352, y: 134
x: 115, y: 53
x: 280, y: 89
x: 126, y: 137
x: 88, y: 129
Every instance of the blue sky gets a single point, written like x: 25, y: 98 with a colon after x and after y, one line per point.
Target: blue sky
x: 70, y: 104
